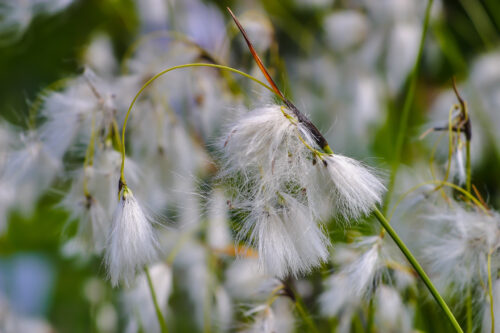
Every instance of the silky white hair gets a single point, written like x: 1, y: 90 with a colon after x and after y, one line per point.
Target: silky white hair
x: 132, y: 243
x: 283, y: 187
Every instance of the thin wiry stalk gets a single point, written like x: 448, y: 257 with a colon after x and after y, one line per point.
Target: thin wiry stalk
x: 469, y: 309
x: 173, y: 35
x: 159, y: 315
x: 406, y: 108
x: 122, y: 176
x: 490, y: 292
x: 420, y: 271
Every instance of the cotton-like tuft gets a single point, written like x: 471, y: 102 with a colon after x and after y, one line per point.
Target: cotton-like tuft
x: 457, y: 251
x: 353, y: 188
x: 284, y: 187
x: 287, y: 239
x: 132, y: 243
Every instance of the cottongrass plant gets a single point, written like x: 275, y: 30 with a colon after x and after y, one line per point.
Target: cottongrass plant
x: 280, y: 168
x: 273, y: 177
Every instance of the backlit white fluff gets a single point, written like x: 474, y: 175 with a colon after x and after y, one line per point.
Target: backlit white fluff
x: 271, y: 318
x: 257, y: 140
x: 362, y: 272
x: 218, y: 232
x: 287, y: 239
x: 392, y: 315
x: 352, y: 187
x: 355, y: 279
x: 28, y: 171
x: 267, y: 144
x: 263, y: 319
x: 284, y: 189
x: 93, y: 223
x: 457, y: 252
x: 244, y: 280
x: 336, y: 296
x: 93, y: 220
x: 132, y: 242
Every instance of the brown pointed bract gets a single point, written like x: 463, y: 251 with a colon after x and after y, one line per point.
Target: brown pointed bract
x: 318, y: 137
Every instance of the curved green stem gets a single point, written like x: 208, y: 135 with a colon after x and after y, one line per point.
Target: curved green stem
x: 159, y: 315
x: 413, y: 261
x: 406, y: 107
x: 122, y: 177
x: 174, y: 35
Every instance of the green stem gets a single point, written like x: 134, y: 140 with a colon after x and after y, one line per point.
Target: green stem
x: 159, y: 315
x: 122, y: 177
x: 413, y: 261
x: 403, y: 125
x: 469, y: 309
x: 490, y: 292
x: 299, y: 304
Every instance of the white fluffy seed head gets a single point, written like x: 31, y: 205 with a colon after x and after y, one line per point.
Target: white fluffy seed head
x: 270, y: 318
x: 93, y: 225
x: 355, y: 280
x: 283, y: 188
x: 244, y: 281
x: 457, y: 250
x: 93, y: 220
x: 286, y: 236
x: 264, y: 149
x: 353, y: 187
x: 256, y: 139
x: 266, y: 144
x: 392, y: 315
x: 336, y: 296
x: 132, y: 243
x: 363, y: 271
